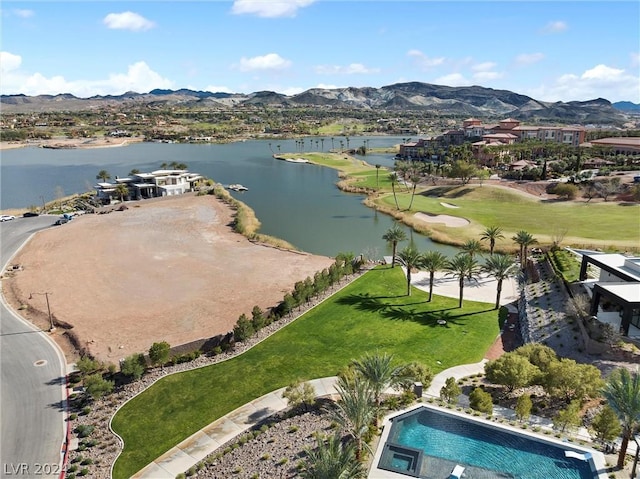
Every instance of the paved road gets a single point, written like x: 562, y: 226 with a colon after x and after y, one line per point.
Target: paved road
x: 31, y: 374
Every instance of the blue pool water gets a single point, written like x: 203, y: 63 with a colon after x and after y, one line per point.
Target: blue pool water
x: 473, y: 444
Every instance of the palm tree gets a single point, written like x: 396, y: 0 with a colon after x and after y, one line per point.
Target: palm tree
x: 462, y: 266
x: 332, y: 459
x: 377, y: 173
x: 134, y: 171
x: 433, y: 261
x: 355, y: 410
x: 410, y: 258
x: 524, y: 240
x: 394, y: 235
x: 414, y: 179
x: 492, y: 233
x: 622, y: 391
x: 322, y: 144
x: 103, y: 175
x: 471, y: 247
x: 394, y: 180
x: 121, y: 190
x: 378, y: 371
x: 500, y: 267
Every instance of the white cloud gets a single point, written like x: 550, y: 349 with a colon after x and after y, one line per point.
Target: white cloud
x: 483, y: 67
x: 128, y: 21
x: 529, y: 58
x: 325, y: 86
x: 23, y: 13
x: 294, y: 90
x: 269, y: 8
x: 139, y: 77
x: 452, y: 79
x: 556, y: 26
x: 635, y: 59
x: 9, y: 62
x: 601, y: 81
x: 270, y: 61
x: 423, y: 61
x: 486, y: 76
x: 353, y: 68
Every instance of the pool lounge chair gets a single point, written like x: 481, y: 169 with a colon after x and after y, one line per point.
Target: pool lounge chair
x: 457, y: 472
x: 576, y: 455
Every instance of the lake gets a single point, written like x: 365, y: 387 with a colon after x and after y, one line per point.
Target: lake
x: 299, y: 203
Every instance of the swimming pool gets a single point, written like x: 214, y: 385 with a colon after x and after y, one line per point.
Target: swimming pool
x: 486, y: 450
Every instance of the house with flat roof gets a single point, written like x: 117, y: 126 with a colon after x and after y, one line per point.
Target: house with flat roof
x: 615, y: 293
x: 150, y: 185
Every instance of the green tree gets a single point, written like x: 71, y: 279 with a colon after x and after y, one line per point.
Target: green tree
x: 538, y: 354
x: 524, y: 405
x: 96, y: 386
x: 258, y: 320
x: 133, y: 366
x: 159, y: 353
x: 501, y: 267
x: 413, y: 372
x: 523, y: 239
x: 511, y: 370
x: 492, y: 234
x: 569, y: 417
x: 410, y: 258
x: 480, y: 400
x: 134, y: 171
x: 87, y: 365
x: 121, y: 190
x: 300, y: 394
x: 606, y: 425
x: 355, y: 411
x: 393, y: 179
x: 471, y: 247
x: 463, y: 267
x: 378, y: 370
x: 332, y: 459
x: 103, y: 175
x: 393, y: 236
x: 450, y: 391
x: 570, y: 380
x: 433, y: 261
x: 243, y: 328
x: 622, y: 391
x: 462, y: 170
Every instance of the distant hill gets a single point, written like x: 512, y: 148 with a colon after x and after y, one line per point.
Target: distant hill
x: 627, y: 106
x: 415, y: 96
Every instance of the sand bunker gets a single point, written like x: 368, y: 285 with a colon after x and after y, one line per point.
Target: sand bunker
x: 447, y: 220
x: 449, y: 205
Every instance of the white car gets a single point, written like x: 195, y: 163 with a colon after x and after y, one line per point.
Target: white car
x: 7, y: 217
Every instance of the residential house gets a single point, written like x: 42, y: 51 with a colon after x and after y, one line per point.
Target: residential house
x: 615, y: 294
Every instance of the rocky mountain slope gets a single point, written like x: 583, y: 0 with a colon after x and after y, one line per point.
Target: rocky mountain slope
x: 416, y: 96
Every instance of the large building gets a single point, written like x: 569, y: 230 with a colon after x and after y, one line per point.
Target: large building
x: 619, y: 146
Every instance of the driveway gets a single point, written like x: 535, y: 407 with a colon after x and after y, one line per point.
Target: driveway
x: 31, y: 377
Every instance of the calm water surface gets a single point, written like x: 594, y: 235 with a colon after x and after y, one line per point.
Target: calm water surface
x: 296, y: 202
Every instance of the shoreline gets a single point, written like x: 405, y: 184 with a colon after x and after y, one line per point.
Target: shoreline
x: 60, y: 143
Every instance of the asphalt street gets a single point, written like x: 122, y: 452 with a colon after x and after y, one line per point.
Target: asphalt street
x: 32, y: 369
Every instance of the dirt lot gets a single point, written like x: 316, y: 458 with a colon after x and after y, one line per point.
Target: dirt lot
x: 165, y: 269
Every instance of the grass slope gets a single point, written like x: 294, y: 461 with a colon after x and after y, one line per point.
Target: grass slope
x: 372, y: 313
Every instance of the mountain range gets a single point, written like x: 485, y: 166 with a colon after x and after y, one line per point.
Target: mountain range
x: 414, y: 96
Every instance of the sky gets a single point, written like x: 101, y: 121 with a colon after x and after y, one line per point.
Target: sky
x: 550, y: 50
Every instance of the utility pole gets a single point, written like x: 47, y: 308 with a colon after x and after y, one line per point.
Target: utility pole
x: 46, y: 295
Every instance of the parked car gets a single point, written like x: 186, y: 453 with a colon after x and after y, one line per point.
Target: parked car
x: 30, y: 214
x: 61, y: 221
x: 7, y: 217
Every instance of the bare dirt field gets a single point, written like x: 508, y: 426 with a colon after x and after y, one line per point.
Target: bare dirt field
x: 168, y: 269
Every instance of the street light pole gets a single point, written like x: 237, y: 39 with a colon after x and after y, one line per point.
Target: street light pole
x: 46, y: 295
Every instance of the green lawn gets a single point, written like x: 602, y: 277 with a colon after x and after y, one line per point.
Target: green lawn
x: 370, y: 314
x: 605, y: 223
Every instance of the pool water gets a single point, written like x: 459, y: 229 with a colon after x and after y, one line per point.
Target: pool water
x: 467, y: 442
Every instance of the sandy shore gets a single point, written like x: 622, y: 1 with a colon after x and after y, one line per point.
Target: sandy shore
x: 169, y: 269
x: 71, y: 143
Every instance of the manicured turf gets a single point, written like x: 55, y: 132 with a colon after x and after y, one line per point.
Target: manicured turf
x: 607, y: 223
x: 371, y: 314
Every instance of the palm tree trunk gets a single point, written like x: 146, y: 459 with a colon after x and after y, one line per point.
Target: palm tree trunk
x: 408, y: 281
x: 623, y: 450
x: 498, y: 295
x: 393, y: 251
x: 461, y: 291
x: 492, y: 244
x: 413, y: 194
x: 431, y: 276
x: 394, y: 195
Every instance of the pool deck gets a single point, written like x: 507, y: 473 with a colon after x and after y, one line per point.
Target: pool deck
x: 599, y: 461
